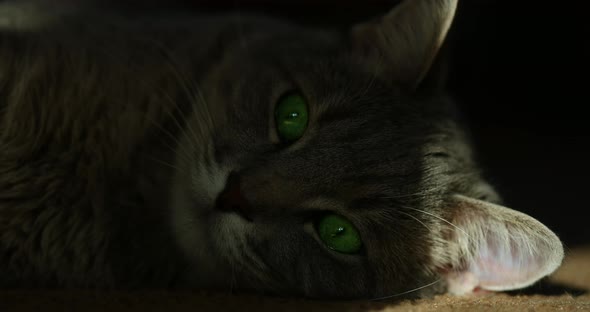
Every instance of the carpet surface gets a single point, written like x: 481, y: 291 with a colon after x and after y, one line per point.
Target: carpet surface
x: 567, y: 290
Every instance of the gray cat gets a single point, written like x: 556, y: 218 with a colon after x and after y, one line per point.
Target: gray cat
x: 244, y: 153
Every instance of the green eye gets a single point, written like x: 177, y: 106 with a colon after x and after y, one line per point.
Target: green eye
x: 339, y: 234
x: 291, y: 117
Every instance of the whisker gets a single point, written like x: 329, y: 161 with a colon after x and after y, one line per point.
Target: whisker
x: 169, y: 109
x: 251, y: 262
x: 407, y: 292
x: 417, y: 220
x: 170, y: 135
x: 180, y: 148
x: 205, y: 128
x: 187, y: 124
x: 207, y: 114
x: 255, y: 265
x: 189, y: 87
x: 440, y: 218
x: 422, y: 193
x: 163, y: 162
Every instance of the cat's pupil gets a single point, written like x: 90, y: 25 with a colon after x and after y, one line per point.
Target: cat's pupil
x: 339, y: 234
x: 339, y: 231
x: 293, y: 115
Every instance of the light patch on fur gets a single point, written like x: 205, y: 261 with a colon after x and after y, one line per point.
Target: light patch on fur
x: 408, y: 37
x: 229, y: 236
x: 446, y: 12
x: 210, y: 181
x: 498, y: 248
x: 193, y: 199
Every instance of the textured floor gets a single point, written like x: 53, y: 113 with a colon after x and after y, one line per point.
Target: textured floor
x: 572, y: 279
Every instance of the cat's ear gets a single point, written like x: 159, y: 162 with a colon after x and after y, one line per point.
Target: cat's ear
x: 403, y: 43
x: 496, y: 248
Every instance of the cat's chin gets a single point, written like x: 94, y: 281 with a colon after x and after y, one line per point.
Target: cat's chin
x: 207, y: 237
x: 208, y: 243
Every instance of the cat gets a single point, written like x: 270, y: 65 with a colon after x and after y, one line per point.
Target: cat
x: 245, y: 153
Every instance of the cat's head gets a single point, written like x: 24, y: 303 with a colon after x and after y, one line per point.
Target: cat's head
x: 311, y: 166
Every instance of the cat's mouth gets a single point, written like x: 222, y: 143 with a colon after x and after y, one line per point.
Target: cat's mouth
x: 231, y: 199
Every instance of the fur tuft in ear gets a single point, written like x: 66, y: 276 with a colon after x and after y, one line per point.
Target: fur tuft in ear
x: 496, y: 248
x: 405, y: 42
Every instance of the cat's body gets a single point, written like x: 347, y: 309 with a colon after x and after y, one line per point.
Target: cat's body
x: 120, y: 140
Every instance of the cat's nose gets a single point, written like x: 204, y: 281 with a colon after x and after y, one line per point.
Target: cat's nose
x: 232, y: 200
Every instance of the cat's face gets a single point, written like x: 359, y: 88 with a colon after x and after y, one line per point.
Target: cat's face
x: 349, y: 200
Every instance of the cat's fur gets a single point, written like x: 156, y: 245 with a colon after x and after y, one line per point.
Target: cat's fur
x: 117, y: 136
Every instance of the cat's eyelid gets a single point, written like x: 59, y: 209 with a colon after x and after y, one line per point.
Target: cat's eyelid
x: 323, y: 204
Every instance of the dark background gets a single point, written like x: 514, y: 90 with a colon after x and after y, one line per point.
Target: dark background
x: 520, y: 72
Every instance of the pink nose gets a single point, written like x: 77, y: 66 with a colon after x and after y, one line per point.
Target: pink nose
x: 231, y: 199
